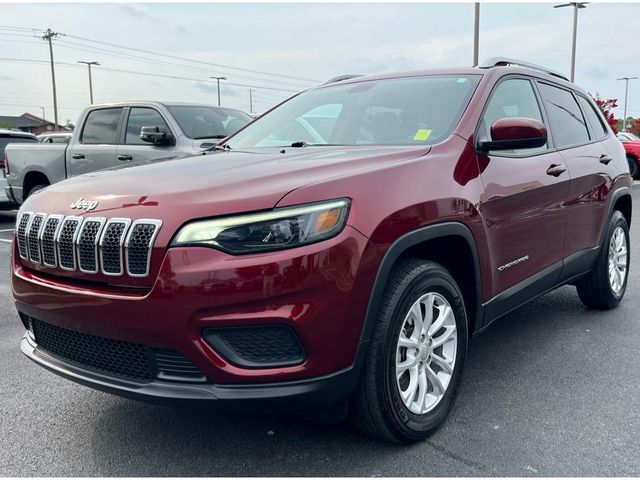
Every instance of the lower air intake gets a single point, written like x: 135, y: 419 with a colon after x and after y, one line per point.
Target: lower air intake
x: 131, y: 361
x: 260, y: 346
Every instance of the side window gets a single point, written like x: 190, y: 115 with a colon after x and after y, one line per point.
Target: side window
x: 102, y: 126
x: 567, y: 123
x: 143, y: 117
x: 512, y: 98
x: 596, y: 126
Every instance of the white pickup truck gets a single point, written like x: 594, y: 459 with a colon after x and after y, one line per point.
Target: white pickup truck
x: 108, y: 135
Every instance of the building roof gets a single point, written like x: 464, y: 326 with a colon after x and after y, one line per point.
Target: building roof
x: 27, y: 120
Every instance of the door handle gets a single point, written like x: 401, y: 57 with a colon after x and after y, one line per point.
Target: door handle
x: 125, y: 158
x: 605, y: 159
x: 556, y: 170
x: 77, y: 156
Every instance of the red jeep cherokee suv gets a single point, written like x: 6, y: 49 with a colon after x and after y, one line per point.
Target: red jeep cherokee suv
x: 339, y: 250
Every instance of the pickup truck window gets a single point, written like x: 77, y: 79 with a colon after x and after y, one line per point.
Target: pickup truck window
x: 143, y: 117
x: 4, y: 141
x: 208, y: 122
x: 101, y: 126
x: 420, y: 110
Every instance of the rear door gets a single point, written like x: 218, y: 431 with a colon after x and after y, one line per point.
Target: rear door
x: 578, y: 132
x: 524, y: 202
x: 96, y: 146
x: 133, y: 149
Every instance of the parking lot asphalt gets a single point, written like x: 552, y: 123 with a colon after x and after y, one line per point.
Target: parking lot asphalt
x: 550, y: 389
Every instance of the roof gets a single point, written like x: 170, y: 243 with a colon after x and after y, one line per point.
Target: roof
x: 27, y: 120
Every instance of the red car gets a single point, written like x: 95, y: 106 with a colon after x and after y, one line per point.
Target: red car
x: 338, y: 252
x: 631, y: 144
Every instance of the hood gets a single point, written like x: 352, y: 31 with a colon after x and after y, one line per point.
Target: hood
x: 212, y: 184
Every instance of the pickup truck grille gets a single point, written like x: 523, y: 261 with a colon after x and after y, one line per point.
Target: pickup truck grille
x: 90, y: 245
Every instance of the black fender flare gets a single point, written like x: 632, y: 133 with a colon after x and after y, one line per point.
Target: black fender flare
x: 398, y: 247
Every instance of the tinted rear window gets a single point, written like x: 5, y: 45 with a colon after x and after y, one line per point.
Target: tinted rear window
x: 568, y: 126
x: 596, y: 126
x: 102, y: 126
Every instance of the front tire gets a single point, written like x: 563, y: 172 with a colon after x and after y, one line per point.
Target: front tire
x: 605, y: 285
x: 416, y: 355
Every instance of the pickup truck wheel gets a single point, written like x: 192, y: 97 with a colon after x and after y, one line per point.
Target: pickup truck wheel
x: 35, y: 189
x: 606, y: 284
x: 634, y: 168
x: 416, y: 355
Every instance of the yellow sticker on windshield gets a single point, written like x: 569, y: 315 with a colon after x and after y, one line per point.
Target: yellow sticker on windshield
x: 422, y: 134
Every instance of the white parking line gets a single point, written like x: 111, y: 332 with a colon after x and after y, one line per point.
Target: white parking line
x: 5, y: 241
x: 7, y: 230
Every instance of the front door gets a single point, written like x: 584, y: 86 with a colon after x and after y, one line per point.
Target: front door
x: 134, y: 149
x: 524, y: 201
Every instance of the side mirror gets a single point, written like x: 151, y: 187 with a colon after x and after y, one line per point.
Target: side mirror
x: 515, y: 133
x: 155, y: 136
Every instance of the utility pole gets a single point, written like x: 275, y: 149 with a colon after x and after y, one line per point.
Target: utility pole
x: 476, y: 34
x: 576, y: 6
x: 218, y: 80
x: 250, y: 101
x: 626, y: 95
x: 88, y: 64
x: 48, y: 36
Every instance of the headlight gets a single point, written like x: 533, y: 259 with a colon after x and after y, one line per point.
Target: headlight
x: 274, y: 230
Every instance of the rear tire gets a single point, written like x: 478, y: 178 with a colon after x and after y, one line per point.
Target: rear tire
x: 34, y: 189
x: 604, y: 287
x: 416, y: 355
x: 634, y: 168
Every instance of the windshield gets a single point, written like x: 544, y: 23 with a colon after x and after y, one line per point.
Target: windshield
x: 402, y: 111
x: 628, y: 136
x: 198, y: 122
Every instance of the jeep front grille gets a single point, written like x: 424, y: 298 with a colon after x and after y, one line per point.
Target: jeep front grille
x: 90, y: 245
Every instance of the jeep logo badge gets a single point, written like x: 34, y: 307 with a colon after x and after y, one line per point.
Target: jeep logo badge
x: 82, y: 204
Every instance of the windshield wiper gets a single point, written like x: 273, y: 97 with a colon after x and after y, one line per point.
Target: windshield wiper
x: 224, y: 148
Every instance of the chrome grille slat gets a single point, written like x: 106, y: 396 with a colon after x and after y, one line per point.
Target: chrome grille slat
x: 110, y: 245
x: 33, y: 237
x: 48, y: 240
x: 113, y: 247
x: 66, y: 241
x: 87, y: 244
x: 21, y: 234
x: 139, y: 246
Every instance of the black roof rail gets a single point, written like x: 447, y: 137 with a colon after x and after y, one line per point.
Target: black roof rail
x: 341, y: 78
x: 503, y: 62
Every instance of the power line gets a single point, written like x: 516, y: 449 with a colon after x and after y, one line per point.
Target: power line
x: 76, y: 46
x: 184, y: 59
x: 159, y: 75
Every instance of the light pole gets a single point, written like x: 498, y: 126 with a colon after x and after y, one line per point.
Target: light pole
x: 476, y: 33
x: 88, y: 64
x: 626, y: 94
x: 576, y: 6
x: 218, y: 81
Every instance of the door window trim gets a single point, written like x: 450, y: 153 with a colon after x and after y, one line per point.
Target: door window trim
x: 598, y: 114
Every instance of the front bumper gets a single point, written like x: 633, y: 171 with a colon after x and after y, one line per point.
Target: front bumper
x: 320, y: 291
x: 283, y: 396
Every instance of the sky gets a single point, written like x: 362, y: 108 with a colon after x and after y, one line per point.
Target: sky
x: 275, y: 50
